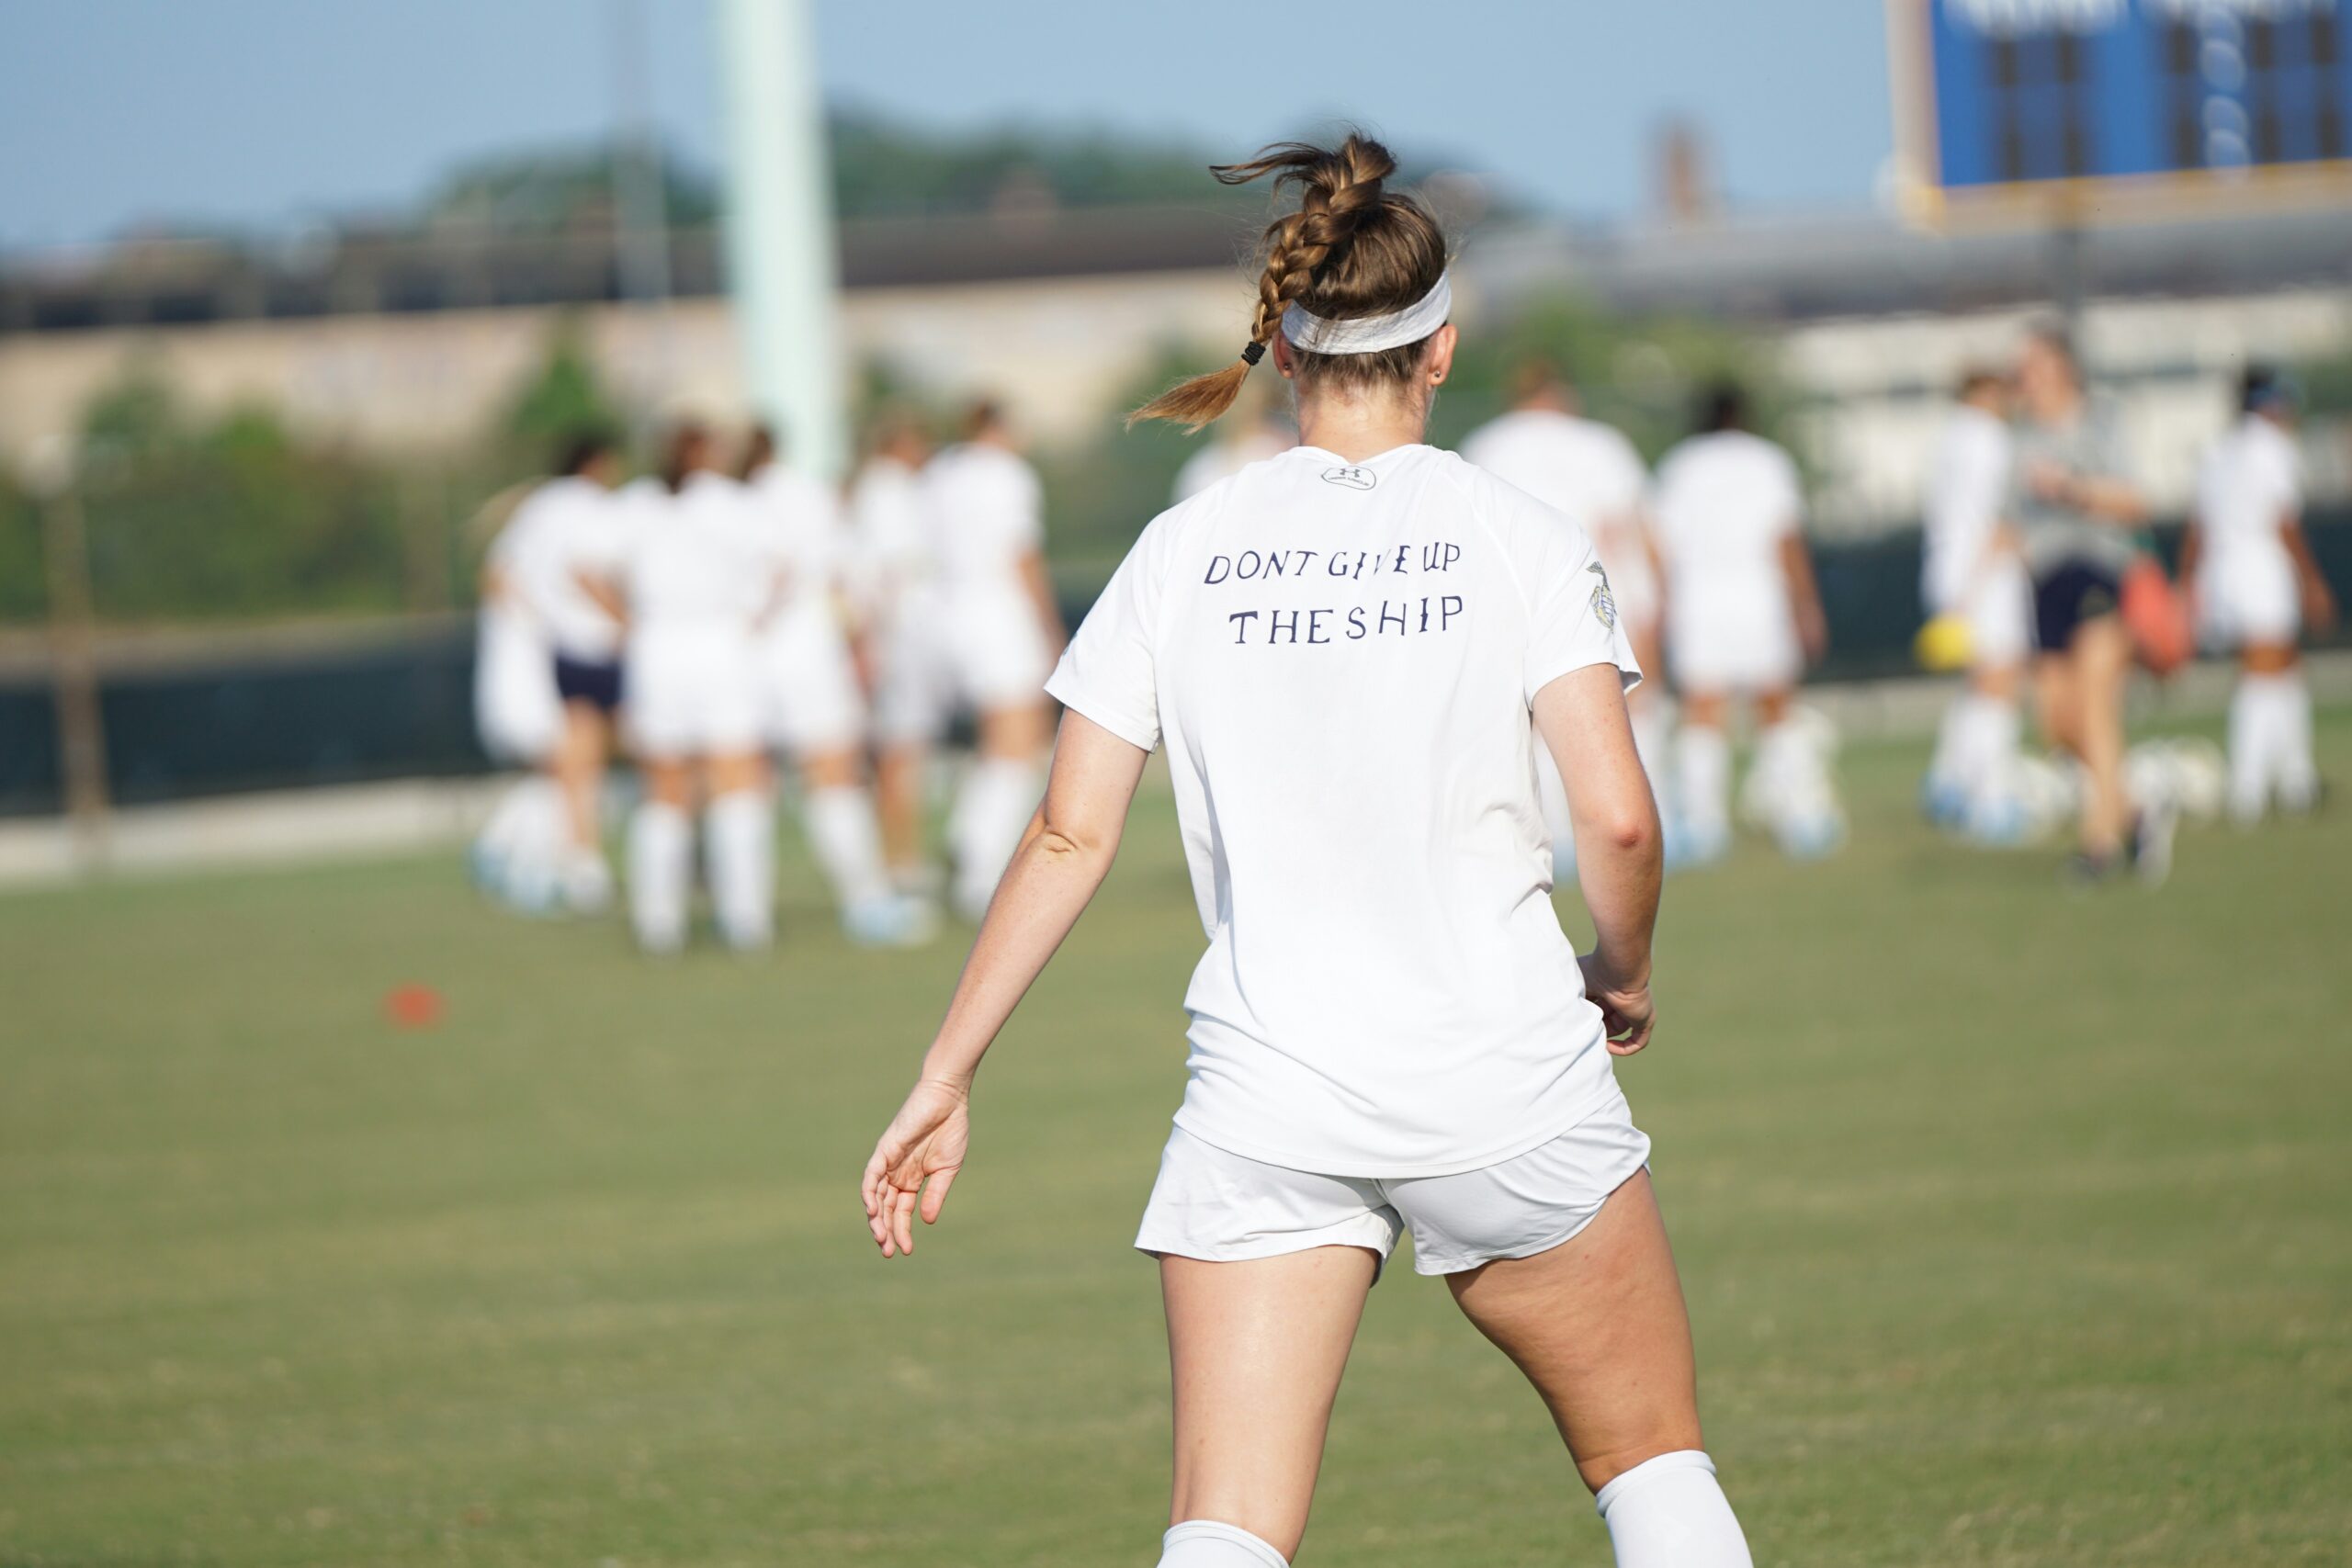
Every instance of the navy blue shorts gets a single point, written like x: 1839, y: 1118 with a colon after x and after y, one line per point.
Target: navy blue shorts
x: 2069, y: 594
x: 596, y: 682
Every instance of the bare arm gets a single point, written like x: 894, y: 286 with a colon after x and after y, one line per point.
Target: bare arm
x: 1581, y: 716
x: 605, y: 591
x: 1804, y: 595
x: 1062, y: 859
x: 2318, y: 601
x: 2192, y: 548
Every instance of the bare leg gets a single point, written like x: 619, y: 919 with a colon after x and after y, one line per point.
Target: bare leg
x: 1599, y: 1326
x: 579, y: 768
x: 2101, y: 654
x: 897, y: 800
x: 1256, y: 1349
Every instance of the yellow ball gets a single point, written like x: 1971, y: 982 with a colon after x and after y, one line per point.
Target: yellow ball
x: 1942, y: 643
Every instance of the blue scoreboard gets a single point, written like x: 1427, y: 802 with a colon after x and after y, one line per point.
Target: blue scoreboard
x: 2080, y: 111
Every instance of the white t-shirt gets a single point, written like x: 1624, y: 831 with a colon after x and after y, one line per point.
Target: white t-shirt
x: 706, y: 559
x: 812, y: 537
x: 1589, y: 471
x: 893, y: 544
x: 1340, y: 658
x: 2249, y: 482
x: 1722, y: 505
x: 1967, y: 481
x: 986, y: 513
x: 565, y: 527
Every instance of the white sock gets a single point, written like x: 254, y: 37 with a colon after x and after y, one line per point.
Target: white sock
x: 1996, y: 729
x: 992, y: 813
x: 2249, y: 770
x: 1948, y: 770
x: 847, y: 843
x: 1704, y: 754
x: 739, y: 845
x: 1204, y: 1543
x: 660, y: 868
x: 1668, y: 1512
x: 2294, y: 776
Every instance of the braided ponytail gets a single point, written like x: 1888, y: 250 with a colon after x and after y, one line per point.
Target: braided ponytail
x: 1351, y: 249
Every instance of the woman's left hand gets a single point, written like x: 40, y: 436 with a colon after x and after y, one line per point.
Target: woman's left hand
x: 918, y: 1154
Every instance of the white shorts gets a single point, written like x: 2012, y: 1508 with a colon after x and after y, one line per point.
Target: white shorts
x: 809, y: 686
x: 996, y: 648
x: 692, y: 691
x: 1728, y: 644
x: 914, y: 685
x: 2252, y: 601
x: 1223, y: 1207
x: 1998, y: 607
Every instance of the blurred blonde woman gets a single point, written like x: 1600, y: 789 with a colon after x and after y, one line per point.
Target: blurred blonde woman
x: 701, y: 575
x: 1001, y: 631
x: 1357, y: 645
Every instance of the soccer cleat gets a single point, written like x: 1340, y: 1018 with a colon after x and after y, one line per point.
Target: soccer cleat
x: 896, y: 921
x: 1944, y: 804
x: 2152, y: 836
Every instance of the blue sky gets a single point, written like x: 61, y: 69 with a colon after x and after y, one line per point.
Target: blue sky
x: 262, y: 113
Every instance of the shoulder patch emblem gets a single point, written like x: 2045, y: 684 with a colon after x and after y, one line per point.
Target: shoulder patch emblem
x: 1604, y: 602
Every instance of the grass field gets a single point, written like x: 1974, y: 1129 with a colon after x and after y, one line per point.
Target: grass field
x: 2017, y: 1226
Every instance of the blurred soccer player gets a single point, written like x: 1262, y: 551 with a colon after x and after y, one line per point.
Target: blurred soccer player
x: 1381, y: 1039
x: 816, y: 714
x: 2257, y: 588
x: 1263, y: 433
x: 1743, y: 620
x: 913, y: 685
x: 1590, y: 471
x: 518, y: 855
x: 701, y: 575
x: 1004, y: 630
x: 1970, y: 571
x: 568, y: 529
x: 2075, y: 516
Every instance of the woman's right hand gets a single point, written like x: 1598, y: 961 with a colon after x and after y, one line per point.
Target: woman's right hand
x: 919, y: 1153
x: 1626, y: 1010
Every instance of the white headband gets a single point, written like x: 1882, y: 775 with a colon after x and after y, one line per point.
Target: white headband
x: 1369, y: 335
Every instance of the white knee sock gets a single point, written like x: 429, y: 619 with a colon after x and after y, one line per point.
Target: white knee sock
x: 661, y: 869
x: 1668, y: 1512
x: 1948, y: 773
x: 739, y: 845
x: 2250, y: 723
x: 1204, y: 1543
x: 1704, y: 754
x: 2294, y: 776
x: 991, y: 812
x: 847, y: 843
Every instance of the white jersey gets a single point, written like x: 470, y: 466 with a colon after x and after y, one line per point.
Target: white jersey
x: 813, y: 538
x: 1589, y: 471
x: 1967, y: 479
x: 987, y: 510
x: 1341, y: 659
x: 892, y: 549
x: 2250, y: 482
x: 1225, y: 457
x: 564, y: 529
x: 705, y: 558
x: 1722, y: 506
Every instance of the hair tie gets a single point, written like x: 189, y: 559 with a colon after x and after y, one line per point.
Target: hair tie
x: 1252, y: 351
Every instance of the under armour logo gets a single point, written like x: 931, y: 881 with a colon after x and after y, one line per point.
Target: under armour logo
x: 1352, y: 477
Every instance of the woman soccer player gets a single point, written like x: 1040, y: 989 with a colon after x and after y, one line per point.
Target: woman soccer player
x: 568, y: 530
x: 816, y: 715
x: 1358, y: 644
x: 1743, y: 618
x: 2257, y: 587
x: 2076, y: 519
x: 1588, y: 470
x: 1002, y: 631
x: 702, y: 574
x: 913, y: 686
